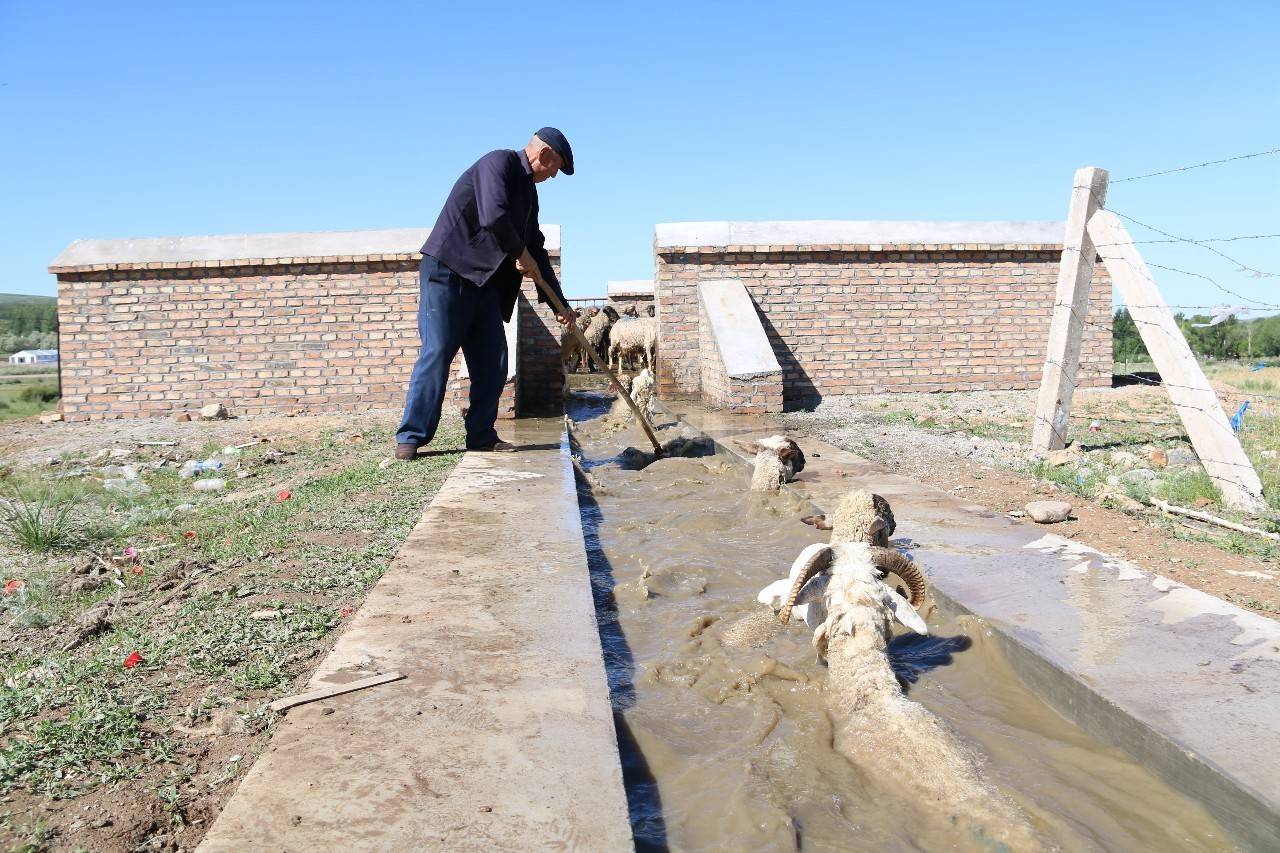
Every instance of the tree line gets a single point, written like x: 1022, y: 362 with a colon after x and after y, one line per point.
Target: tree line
x: 1232, y: 338
x: 27, y: 323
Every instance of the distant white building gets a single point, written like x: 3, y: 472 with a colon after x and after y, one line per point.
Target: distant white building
x: 35, y: 356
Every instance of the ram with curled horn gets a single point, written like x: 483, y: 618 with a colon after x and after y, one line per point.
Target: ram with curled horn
x: 841, y: 592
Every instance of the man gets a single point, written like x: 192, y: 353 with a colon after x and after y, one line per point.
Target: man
x: 486, y: 239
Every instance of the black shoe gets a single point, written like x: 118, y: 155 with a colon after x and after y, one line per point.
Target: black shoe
x: 497, y: 447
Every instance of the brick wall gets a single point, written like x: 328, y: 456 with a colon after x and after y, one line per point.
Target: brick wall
x: 296, y: 334
x: 870, y: 318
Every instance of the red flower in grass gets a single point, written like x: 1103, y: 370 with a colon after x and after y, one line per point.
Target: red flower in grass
x: 346, y: 611
x: 132, y: 660
x: 137, y: 570
x: 13, y: 585
x: 190, y: 536
x: 283, y: 495
x: 131, y: 553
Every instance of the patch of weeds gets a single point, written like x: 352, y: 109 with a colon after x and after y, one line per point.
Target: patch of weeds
x: 1252, y: 602
x: 898, y: 417
x: 1184, y: 488
x: 1080, y: 482
x: 82, y: 745
x: 38, y: 526
x: 219, y: 639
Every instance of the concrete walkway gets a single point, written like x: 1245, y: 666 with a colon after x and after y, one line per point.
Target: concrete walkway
x: 501, y: 737
x: 1187, y: 683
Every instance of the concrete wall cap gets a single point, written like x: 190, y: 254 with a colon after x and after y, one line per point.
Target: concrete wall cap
x: 735, y: 325
x: 631, y: 287
x: 857, y: 233
x: 253, y: 247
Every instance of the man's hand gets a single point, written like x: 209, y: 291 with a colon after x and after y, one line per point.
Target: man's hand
x: 526, y: 265
x: 568, y: 319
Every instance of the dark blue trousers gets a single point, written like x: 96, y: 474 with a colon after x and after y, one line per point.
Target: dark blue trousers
x: 453, y: 313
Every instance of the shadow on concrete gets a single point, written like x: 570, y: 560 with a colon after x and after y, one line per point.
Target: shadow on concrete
x: 644, y: 802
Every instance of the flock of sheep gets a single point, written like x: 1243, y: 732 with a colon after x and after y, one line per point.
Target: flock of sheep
x: 626, y: 338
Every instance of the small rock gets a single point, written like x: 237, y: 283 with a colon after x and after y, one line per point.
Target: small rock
x: 182, y: 417
x: 211, y: 485
x: 1158, y: 458
x: 51, y: 417
x: 1047, y: 489
x: 213, y: 412
x: 1113, y: 480
x: 1017, y: 513
x: 1065, y: 456
x: 1139, y: 475
x: 53, y: 460
x: 326, y: 712
x: 120, y: 453
x: 265, y: 615
x: 1203, y: 502
x: 184, y: 508
x: 1124, y: 460
x: 1179, y: 457
x: 1048, y: 512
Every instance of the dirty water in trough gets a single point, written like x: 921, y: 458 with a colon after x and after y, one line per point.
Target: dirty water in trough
x: 729, y: 748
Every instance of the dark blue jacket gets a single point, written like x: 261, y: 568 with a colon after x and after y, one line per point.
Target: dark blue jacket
x: 490, y: 217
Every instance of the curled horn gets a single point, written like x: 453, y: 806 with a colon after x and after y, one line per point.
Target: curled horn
x: 818, y: 521
x: 816, y: 565
x: 890, y: 561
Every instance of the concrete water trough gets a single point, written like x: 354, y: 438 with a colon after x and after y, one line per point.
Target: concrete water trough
x: 566, y: 687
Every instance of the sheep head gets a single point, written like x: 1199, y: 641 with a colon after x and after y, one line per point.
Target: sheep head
x: 856, y: 600
x: 860, y: 517
x: 610, y: 312
x: 787, y: 451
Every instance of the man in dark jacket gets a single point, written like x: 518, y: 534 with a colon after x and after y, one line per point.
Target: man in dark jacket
x: 484, y: 242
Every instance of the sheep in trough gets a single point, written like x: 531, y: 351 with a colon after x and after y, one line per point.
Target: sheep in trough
x: 839, y: 590
x: 633, y: 338
x: 778, y: 460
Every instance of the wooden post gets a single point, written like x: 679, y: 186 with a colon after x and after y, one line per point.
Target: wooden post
x: 1066, y: 331
x: 1211, y: 435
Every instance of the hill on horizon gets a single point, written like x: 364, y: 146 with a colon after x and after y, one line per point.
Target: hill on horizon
x: 25, y: 299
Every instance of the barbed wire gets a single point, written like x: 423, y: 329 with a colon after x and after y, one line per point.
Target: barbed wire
x: 1257, y: 272
x: 1196, y: 166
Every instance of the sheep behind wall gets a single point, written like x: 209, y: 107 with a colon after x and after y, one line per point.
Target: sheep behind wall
x: 633, y: 338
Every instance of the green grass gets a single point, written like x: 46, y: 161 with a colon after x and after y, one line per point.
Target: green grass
x: 72, y: 721
x: 22, y: 399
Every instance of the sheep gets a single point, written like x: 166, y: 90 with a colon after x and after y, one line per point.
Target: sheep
x: 840, y: 592
x: 571, y: 354
x: 859, y: 522
x: 650, y: 310
x: 597, y: 330
x: 778, y: 460
x: 630, y: 311
x: 633, y: 337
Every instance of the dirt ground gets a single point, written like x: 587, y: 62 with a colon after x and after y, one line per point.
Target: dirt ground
x: 976, y: 445
x: 229, y: 598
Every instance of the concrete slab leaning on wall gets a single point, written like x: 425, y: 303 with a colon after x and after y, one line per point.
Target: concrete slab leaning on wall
x: 739, y: 370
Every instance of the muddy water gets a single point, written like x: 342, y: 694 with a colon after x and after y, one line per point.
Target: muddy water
x: 730, y: 748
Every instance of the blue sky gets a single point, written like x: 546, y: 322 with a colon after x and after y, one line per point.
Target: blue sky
x: 141, y: 119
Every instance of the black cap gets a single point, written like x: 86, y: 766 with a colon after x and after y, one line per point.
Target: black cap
x: 558, y: 144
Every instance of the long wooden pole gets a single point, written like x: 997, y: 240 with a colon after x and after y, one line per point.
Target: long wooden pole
x: 559, y: 308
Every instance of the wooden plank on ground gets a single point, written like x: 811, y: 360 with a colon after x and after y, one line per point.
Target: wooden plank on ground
x: 1066, y: 331
x: 1215, y: 442
x: 333, y: 690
